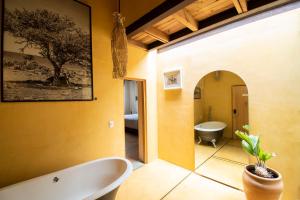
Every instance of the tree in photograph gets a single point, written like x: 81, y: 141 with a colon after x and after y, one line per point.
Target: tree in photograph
x: 56, y: 37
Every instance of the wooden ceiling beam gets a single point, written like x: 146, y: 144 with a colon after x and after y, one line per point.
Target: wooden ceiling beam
x: 185, y: 18
x: 243, y: 4
x: 138, y: 44
x: 167, y: 8
x: 237, y: 6
x: 157, y: 34
x: 255, y: 8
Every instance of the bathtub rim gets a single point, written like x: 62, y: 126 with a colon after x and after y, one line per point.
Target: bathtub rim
x: 112, y: 186
x: 115, y: 184
x: 198, y: 128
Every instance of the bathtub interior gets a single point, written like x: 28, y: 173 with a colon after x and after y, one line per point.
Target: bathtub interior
x: 93, y: 179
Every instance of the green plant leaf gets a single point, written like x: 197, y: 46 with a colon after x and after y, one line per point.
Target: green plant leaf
x: 247, y: 147
x: 255, y: 144
x: 246, y: 127
x: 264, y: 156
x: 254, y: 140
x: 251, y: 144
x: 261, y: 154
x: 245, y: 137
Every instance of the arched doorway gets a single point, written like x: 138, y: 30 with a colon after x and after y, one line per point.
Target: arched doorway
x: 220, y: 108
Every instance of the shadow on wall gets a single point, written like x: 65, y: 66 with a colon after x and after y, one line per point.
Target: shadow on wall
x: 213, y: 100
x: 169, y: 97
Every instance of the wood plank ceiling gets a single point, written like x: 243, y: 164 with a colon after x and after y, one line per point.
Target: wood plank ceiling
x: 178, y: 18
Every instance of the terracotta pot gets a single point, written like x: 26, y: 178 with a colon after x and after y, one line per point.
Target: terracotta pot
x: 259, y: 188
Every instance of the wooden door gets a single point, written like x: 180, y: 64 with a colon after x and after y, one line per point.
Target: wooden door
x: 239, y: 107
x: 142, y: 126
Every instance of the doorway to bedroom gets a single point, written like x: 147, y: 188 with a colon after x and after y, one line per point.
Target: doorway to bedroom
x: 135, y: 121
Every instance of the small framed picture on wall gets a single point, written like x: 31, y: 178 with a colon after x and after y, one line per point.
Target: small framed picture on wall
x: 197, y: 93
x: 173, y: 79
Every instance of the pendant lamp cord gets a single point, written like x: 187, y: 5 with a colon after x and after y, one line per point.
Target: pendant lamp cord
x: 119, y: 6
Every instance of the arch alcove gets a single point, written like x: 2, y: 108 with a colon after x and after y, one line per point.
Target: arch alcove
x: 220, y: 108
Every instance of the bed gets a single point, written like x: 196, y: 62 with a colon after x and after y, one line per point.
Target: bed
x: 131, y: 122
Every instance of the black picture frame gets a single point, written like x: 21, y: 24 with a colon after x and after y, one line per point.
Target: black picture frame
x: 75, y: 86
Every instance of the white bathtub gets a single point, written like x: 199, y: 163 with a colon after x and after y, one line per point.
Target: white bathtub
x: 210, y: 126
x: 210, y: 131
x: 98, y: 179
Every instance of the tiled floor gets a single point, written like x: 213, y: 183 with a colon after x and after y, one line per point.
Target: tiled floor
x: 132, y: 146
x: 227, y: 157
x: 205, y: 151
x: 161, y: 180
x: 232, y: 153
x: 152, y: 181
x: 132, y: 149
x: 196, y: 187
x: 229, y: 173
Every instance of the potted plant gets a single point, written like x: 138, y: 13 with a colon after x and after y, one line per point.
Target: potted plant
x: 259, y: 181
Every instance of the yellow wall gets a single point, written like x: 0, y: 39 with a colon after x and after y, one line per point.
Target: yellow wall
x: 198, y: 111
x: 38, y: 138
x: 265, y: 54
x: 217, y: 94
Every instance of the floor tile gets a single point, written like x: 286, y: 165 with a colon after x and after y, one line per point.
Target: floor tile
x: 204, y: 151
x: 152, y: 181
x: 135, y: 163
x: 132, y: 146
x: 196, y: 187
x: 233, y: 153
x: 235, y: 142
x: 223, y: 171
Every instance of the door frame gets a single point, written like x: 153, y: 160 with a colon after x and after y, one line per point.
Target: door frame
x: 232, y: 116
x: 142, y: 121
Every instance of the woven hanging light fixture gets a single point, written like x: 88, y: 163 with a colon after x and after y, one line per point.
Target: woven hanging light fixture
x: 119, y: 46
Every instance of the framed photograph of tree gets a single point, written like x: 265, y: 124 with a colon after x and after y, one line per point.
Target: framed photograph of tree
x: 46, y: 51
